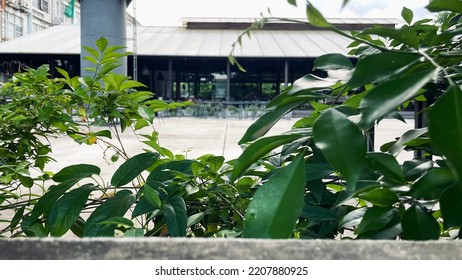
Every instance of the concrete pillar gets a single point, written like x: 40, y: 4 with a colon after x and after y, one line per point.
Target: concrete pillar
x: 103, y: 18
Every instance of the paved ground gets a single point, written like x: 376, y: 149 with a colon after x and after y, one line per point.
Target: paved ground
x: 193, y: 137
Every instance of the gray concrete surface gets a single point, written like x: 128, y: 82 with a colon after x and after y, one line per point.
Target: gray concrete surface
x: 224, y: 249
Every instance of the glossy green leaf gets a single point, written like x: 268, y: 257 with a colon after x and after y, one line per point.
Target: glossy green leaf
x: 375, y: 218
x: 390, y: 231
x: 418, y: 224
x: 405, y: 138
x: 176, y: 216
x: 445, y: 129
x: 380, y: 67
x: 353, y: 218
x: 194, y: 219
x: 134, y: 232
x: 76, y: 172
x: 416, y: 167
x: 66, y: 210
x: 380, y: 197
x: 432, y: 184
x: 103, y: 133
x: 292, y: 2
x: 312, y: 82
x: 277, y: 205
x: 133, y: 167
x: 318, y: 214
x: 258, y: 149
x: 388, y: 96
x: 332, y: 61
x: 115, y: 206
x: 151, y: 196
x: 407, y: 15
x: 451, y: 207
x: 385, y: 164
x: 342, y: 144
x: 166, y: 171
x: 445, y: 5
x: 102, y: 43
x: 146, y: 113
x: 261, y: 126
x: 315, y: 18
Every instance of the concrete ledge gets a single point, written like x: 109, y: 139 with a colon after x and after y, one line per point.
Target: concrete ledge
x: 219, y: 249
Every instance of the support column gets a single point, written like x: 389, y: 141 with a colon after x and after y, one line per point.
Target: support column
x: 103, y: 18
x: 286, y: 74
x: 228, y: 80
x: 170, y: 80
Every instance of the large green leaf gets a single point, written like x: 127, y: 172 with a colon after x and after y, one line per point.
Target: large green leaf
x: 342, y: 144
x: 115, y: 206
x: 416, y: 167
x: 258, y: 149
x: 318, y: 214
x: 445, y: 5
x: 403, y: 35
x: 406, y: 137
x: 388, y: 96
x: 133, y: 167
x: 315, y: 18
x: 277, y: 205
x: 260, y: 127
x: 380, y: 67
x: 332, y: 61
x: 353, y: 218
x: 451, y: 207
x: 380, y: 197
x: 176, y: 216
x: 418, y: 224
x: 67, y: 210
x: 445, y: 129
x: 385, y: 164
x: 432, y: 184
x: 169, y: 170
x: 375, y: 218
x: 76, y: 172
x: 407, y: 15
x: 312, y: 82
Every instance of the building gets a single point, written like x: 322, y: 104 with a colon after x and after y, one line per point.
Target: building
x: 21, y: 17
x: 191, y: 61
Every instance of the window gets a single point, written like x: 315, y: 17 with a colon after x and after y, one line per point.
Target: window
x: 41, y: 5
x: 14, y: 25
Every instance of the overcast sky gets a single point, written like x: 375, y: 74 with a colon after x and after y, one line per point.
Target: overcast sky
x: 169, y: 12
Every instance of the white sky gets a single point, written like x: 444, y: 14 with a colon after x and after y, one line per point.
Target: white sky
x: 169, y: 12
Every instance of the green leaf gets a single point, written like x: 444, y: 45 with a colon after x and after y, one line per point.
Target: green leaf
x: 342, y: 144
x: 353, y: 218
x: 407, y: 15
x: 134, y: 232
x: 258, y: 149
x: 277, y: 205
x: 104, y: 133
x: 432, y: 184
x: 115, y: 206
x: 118, y: 221
x: 380, y: 67
x: 375, y: 218
x: 418, y: 224
x: 102, y: 43
x: 260, y: 127
x: 405, y: 138
x: 332, y: 61
x: 312, y: 82
x: 415, y: 167
x: 194, y: 219
x: 76, y: 172
x: 380, y: 197
x: 445, y: 129
x: 445, y: 5
x: 388, y: 96
x: 315, y: 18
x: 385, y: 164
x: 133, y: 167
x: 151, y: 196
x: 66, y: 210
x: 130, y: 84
x: 292, y: 2
x: 176, y: 216
x: 26, y: 181
x: 168, y: 170
x: 318, y: 214
x: 451, y: 207
x: 146, y: 113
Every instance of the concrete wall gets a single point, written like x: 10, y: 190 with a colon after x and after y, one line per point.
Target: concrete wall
x: 219, y: 249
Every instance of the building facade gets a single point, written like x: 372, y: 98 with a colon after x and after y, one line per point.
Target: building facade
x: 21, y: 17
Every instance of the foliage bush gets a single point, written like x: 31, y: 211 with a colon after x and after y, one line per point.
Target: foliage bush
x: 316, y: 181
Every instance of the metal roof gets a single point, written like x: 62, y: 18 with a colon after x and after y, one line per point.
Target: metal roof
x: 180, y: 41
